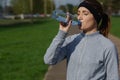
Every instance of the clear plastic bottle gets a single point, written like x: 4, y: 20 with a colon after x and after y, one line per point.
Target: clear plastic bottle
x: 60, y: 16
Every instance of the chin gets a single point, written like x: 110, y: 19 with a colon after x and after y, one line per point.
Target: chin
x: 81, y: 27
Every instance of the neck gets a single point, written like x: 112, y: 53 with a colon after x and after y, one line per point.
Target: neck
x: 90, y: 32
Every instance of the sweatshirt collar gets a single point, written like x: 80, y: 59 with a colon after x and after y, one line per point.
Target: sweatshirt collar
x: 90, y: 35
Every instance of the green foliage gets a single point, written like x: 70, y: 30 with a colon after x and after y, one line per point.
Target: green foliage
x: 115, y: 6
x: 69, y: 7
x: 24, y: 6
x: 0, y: 8
x: 62, y: 7
x: 38, y: 6
x: 22, y: 49
x: 50, y: 6
x: 75, y: 9
x: 21, y: 6
x: 111, y: 5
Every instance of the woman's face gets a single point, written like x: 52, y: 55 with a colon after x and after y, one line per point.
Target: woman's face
x: 88, y: 22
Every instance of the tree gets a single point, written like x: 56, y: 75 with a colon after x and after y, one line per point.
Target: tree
x: 43, y: 6
x: 1, y: 9
x: 111, y: 6
x: 62, y: 7
x: 38, y: 6
x: 24, y: 6
x: 50, y: 6
x: 116, y: 5
x: 75, y: 9
x: 21, y: 6
x: 8, y: 9
x: 70, y: 8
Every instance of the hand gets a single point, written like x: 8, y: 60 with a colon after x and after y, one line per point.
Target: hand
x: 66, y: 26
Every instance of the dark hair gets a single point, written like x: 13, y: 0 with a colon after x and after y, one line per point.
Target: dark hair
x: 102, y: 19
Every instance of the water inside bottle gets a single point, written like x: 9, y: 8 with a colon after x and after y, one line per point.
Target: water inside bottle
x: 60, y: 16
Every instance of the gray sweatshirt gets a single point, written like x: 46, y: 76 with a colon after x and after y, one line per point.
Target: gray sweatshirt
x: 89, y: 57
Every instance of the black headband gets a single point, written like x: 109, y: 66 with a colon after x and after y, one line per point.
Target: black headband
x: 92, y: 9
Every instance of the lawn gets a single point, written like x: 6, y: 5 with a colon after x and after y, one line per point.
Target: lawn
x: 22, y: 47
x: 115, y: 29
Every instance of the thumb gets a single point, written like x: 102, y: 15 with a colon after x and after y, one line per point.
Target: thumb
x: 70, y: 23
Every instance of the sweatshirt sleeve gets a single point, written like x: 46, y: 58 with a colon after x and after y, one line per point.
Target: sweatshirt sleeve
x: 112, y: 64
x: 56, y: 51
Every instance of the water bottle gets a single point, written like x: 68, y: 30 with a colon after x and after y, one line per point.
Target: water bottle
x: 60, y: 16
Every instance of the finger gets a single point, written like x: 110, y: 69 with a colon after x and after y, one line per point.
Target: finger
x: 67, y: 16
x: 70, y: 22
x: 63, y: 24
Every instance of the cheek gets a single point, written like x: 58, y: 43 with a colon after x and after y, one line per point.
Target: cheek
x: 88, y: 22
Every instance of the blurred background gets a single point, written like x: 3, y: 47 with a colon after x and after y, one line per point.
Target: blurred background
x: 27, y: 29
x: 39, y: 8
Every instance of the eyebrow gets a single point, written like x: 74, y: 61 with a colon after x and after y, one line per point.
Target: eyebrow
x: 83, y: 11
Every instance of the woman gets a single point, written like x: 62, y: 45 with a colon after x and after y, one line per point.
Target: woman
x: 90, y: 54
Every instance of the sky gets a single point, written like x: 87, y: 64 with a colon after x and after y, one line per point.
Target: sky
x: 57, y: 2
x: 4, y: 2
x: 63, y: 2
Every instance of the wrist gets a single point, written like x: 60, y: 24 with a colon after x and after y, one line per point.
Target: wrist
x: 62, y: 34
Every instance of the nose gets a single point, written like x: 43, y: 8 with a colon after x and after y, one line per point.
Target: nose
x: 79, y: 17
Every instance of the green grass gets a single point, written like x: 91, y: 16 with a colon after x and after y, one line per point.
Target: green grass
x: 115, y: 29
x: 22, y: 48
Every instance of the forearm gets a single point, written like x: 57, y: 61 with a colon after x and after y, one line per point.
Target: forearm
x: 53, y: 53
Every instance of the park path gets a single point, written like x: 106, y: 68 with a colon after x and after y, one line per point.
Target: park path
x: 58, y: 72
